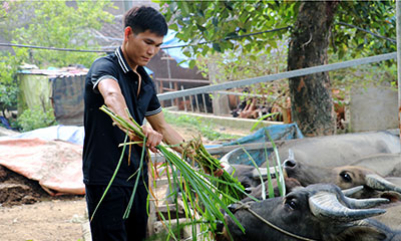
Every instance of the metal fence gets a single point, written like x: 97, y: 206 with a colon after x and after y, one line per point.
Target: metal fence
x: 182, y: 93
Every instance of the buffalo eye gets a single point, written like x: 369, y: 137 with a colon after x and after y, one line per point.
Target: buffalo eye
x: 345, y: 176
x: 291, y: 203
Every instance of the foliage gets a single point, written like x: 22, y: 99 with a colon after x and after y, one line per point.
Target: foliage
x: 364, y: 75
x: 378, y: 17
x: 246, y: 33
x: 237, y: 65
x: 59, y: 24
x: 221, y: 23
x: 35, y: 118
x: 8, y: 83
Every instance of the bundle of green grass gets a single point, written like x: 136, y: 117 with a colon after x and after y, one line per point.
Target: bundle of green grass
x: 203, y: 194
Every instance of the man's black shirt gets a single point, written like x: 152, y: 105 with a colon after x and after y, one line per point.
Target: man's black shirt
x: 101, y: 152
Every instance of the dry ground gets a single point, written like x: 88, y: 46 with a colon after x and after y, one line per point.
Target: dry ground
x: 59, y: 219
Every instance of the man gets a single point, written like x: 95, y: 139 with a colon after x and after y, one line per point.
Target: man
x: 120, y: 82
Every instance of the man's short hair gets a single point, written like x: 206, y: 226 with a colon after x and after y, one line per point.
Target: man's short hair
x: 144, y: 18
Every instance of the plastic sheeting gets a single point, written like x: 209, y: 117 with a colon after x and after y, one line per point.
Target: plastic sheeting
x: 276, y: 132
x: 68, y: 99
x: 73, y: 134
x: 56, y: 165
x: 175, y: 53
x: 259, y: 156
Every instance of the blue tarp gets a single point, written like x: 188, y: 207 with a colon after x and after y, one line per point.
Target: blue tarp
x: 5, y: 123
x: 276, y: 132
x: 175, y: 53
x: 73, y: 134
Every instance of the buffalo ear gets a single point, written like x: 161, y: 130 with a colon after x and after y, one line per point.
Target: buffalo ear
x: 362, y: 233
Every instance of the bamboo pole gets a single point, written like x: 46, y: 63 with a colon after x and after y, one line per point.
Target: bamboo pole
x: 398, y: 8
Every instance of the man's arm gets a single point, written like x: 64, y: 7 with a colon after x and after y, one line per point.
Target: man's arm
x: 170, y: 135
x: 114, y: 100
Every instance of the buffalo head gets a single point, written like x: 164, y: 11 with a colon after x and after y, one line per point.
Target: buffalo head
x: 345, y: 177
x: 316, y: 212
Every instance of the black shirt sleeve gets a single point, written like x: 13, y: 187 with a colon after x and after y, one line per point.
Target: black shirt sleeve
x: 102, y: 69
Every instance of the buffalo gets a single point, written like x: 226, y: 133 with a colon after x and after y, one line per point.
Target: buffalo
x: 246, y: 175
x: 344, y: 176
x: 386, y: 164
x: 256, y: 192
x: 339, y: 150
x: 316, y: 212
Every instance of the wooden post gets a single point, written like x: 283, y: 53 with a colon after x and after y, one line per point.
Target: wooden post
x: 398, y: 10
x: 220, y: 102
x: 176, y: 89
x: 161, y: 90
x: 184, y: 99
x: 197, y: 103
x: 204, y: 103
x: 192, y: 106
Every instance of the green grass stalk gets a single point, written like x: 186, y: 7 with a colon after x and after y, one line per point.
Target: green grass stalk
x: 111, y: 180
x: 207, y: 192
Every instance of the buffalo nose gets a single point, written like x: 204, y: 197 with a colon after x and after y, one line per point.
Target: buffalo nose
x: 290, y: 163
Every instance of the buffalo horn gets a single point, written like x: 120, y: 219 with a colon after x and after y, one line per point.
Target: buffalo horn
x: 226, y: 164
x: 352, y: 191
x: 365, y: 203
x: 377, y: 182
x: 326, y: 205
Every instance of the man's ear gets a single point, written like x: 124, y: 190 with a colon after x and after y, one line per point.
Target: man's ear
x: 127, y: 33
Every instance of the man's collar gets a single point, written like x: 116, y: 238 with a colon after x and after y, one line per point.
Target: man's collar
x: 125, y: 67
x: 123, y: 64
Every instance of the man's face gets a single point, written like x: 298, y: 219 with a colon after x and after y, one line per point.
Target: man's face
x: 140, y: 48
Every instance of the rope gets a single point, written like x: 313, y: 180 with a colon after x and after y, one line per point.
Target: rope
x: 248, y: 208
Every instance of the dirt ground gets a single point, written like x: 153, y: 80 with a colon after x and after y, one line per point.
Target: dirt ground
x: 27, y: 212
x: 54, y: 219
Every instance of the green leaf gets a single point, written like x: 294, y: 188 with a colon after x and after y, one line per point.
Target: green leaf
x: 200, y: 27
x: 216, y: 47
x: 173, y: 27
x: 215, y: 21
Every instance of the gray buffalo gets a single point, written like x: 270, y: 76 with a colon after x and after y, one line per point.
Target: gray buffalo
x: 256, y: 192
x: 245, y: 175
x: 363, y: 149
x: 344, y: 176
x: 340, y: 150
x: 386, y: 164
x: 316, y: 212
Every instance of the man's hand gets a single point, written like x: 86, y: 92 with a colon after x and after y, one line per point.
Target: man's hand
x: 154, y: 138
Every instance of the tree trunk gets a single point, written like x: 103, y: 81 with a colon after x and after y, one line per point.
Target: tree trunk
x: 312, y: 104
